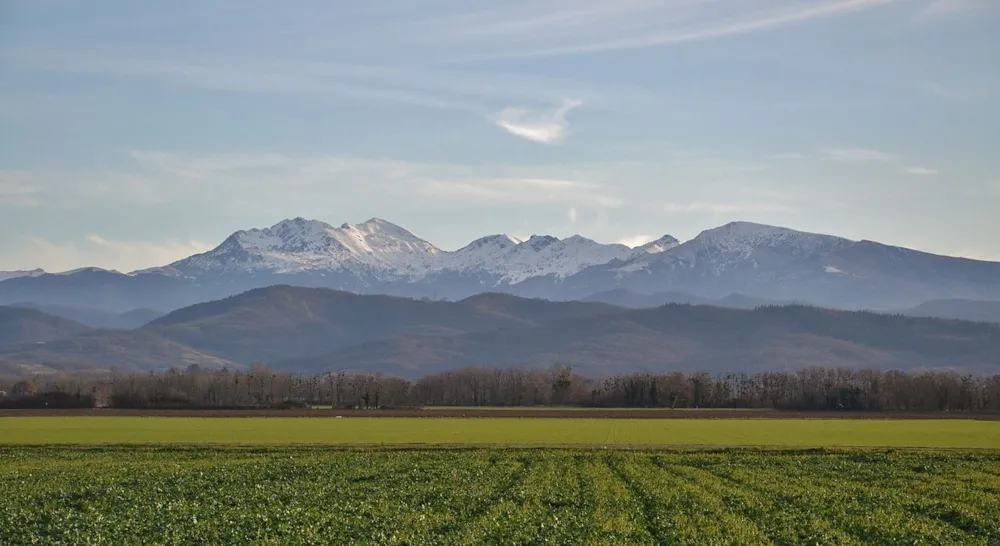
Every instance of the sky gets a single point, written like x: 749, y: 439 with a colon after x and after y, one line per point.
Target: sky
x: 133, y: 134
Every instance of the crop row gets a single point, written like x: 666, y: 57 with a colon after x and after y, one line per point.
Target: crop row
x: 495, y: 496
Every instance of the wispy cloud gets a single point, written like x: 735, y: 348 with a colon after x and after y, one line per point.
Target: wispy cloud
x: 921, y: 171
x: 940, y: 8
x: 858, y: 155
x: 279, y: 176
x: 551, y: 28
x: 95, y: 250
x: 543, y: 127
x: 520, y: 191
x: 16, y: 190
x: 723, y: 208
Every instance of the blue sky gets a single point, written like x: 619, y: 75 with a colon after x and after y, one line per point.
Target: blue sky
x: 136, y: 133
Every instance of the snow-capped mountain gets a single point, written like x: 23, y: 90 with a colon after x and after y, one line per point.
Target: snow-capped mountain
x: 4, y: 275
x: 376, y: 247
x: 510, y: 261
x: 737, y: 246
x: 378, y: 257
x: 782, y: 264
x: 377, y: 251
x: 662, y: 244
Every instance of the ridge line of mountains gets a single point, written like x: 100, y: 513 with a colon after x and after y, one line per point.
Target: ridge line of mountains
x: 763, y: 263
x: 303, y: 295
x: 317, y: 330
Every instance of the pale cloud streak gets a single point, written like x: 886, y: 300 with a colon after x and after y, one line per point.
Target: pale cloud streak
x: 921, y: 171
x: 16, y: 190
x: 542, y: 127
x: 280, y: 177
x: 708, y: 207
x: 858, y: 155
x: 520, y: 191
x: 940, y: 8
x: 551, y: 28
x: 106, y: 253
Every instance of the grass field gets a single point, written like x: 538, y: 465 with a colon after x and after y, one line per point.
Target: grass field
x: 952, y: 433
x: 318, y: 495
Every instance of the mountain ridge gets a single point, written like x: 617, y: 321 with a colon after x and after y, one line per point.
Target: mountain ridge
x: 377, y: 257
x: 320, y: 330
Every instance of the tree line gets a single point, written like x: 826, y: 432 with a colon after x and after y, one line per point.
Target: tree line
x: 813, y: 388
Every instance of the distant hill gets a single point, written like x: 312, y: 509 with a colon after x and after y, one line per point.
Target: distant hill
x: 683, y: 337
x: 633, y: 300
x: 311, y: 329
x: 105, y: 349
x: 20, y: 325
x: 282, y: 322
x: 97, y: 318
x: 982, y: 311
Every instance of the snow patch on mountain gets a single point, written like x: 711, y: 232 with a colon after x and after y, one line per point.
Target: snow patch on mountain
x: 299, y: 245
x: 4, y: 275
x: 513, y: 261
x: 742, y: 244
x: 662, y: 244
x: 744, y: 238
x: 88, y: 270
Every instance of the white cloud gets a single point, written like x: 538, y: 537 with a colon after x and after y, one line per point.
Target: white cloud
x: 16, y: 190
x: 276, y: 179
x: 723, y: 208
x: 921, y: 171
x: 543, y: 127
x: 788, y: 156
x: 636, y: 240
x: 542, y: 28
x: 940, y: 8
x: 95, y: 250
x: 571, y: 215
x: 857, y: 155
x: 520, y: 191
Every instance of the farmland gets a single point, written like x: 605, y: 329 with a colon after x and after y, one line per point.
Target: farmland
x: 319, y: 495
x: 498, y: 480
x: 933, y: 433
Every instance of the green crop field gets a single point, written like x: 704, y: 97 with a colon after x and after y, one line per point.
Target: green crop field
x: 953, y: 433
x: 319, y: 495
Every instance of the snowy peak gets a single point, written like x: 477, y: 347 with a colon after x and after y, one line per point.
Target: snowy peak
x: 385, y: 241
x: 298, y: 245
x: 499, y: 241
x: 539, y: 242
x: 745, y: 237
x: 296, y: 235
x: 512, y: 261
x: 4, y: 275
x: 84, y: 270
x: 662, y: 244
x: 739, y: 246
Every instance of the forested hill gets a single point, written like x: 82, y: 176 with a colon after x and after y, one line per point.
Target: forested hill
x: 307, y: 329
x: 694, y: 338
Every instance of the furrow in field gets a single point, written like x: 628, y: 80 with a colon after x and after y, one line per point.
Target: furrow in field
x: 873, y: 511
x: 780, y: 522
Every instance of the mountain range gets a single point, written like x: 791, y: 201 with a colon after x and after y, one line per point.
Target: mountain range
x: 317, y: 330
x: 758, y: 262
